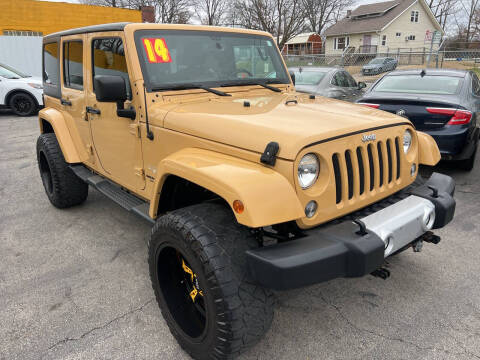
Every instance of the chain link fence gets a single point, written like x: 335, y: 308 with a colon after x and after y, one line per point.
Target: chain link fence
x: 419, y: 58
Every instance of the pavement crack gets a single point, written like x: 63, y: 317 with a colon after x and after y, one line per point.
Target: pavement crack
x: 88, y: 332
x: 399, y: 339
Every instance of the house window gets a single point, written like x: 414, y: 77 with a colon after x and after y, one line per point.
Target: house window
x: 384, y: 40
x: 411, y: 37
x: 341, y: 43
x: 398, y: 34
x: 414, y: 16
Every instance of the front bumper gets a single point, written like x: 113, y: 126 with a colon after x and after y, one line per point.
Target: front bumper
x: 341, y: 250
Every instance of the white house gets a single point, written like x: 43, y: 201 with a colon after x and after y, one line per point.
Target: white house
x: 382, y: 27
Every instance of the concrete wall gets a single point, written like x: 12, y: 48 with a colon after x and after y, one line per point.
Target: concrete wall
x: 23, y: 53
x: 48, y: 17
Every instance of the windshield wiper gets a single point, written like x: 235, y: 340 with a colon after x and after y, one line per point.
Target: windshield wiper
x: 259, y: 83
x: 191, y: 86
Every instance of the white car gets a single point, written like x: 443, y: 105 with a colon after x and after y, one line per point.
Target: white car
x: 23, y: 94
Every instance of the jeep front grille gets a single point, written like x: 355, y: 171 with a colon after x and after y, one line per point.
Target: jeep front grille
x: 366, y: 168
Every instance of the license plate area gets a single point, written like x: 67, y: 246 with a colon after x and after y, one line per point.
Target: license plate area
x: 401, y: 223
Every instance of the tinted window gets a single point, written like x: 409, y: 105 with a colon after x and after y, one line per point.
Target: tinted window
x: 308, y: 77
x: 350, y: 80
x: 73, y: 64
x: 445, y: 85
x: 10, y: 73
x: 51, y: 61
x: 109, y: 59
x: 376, y: 61
x: 340, y: 79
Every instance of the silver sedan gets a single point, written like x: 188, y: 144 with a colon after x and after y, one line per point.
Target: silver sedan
x: 327, y: 81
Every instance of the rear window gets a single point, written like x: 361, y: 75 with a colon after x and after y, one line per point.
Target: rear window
x: 415, y: 84
x: 50, y: 64
x: 308, y: 77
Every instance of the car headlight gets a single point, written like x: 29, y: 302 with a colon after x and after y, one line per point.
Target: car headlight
x: 407, y: 140
x: 36, y: 86
x: 308, y: 169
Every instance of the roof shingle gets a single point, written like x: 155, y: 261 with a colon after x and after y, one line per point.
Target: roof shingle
x: 353, y: 25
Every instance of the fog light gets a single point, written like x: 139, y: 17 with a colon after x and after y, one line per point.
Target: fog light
x: 413, y: 169
x: 311, y: 208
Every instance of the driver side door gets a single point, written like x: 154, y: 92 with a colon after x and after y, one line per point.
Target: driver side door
x: 116, y: 139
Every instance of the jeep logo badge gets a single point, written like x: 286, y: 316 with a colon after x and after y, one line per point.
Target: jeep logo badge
x: 370, y: 137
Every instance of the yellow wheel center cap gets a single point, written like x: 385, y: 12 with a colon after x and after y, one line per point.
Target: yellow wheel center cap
x: 194, y: 280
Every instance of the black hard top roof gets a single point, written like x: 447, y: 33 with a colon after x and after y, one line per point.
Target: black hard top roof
x: 88, y: 29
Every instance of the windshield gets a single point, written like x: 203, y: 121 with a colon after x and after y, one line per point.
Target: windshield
x: 415, y: 84
x: 376, y: 61
x: 171, y: 59
x: 306, y: 77
x: 10, y: 73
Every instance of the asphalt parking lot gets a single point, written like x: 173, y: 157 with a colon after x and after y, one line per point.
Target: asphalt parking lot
x: 74, y: 283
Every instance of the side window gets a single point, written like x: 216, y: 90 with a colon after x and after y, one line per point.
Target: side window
x: 475, y: 85
x: 73, y: 64
x: 350, y: 80
x: 340, y: 80
x: 50, y: 64
x: 109, y: 59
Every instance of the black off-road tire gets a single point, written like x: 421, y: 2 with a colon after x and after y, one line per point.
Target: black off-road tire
x: 238, y: 312
x: 23, y: 104
x: 64, y: 189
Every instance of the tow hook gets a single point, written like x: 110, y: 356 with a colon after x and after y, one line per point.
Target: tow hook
x: 381, y: 272
x: 417, y: 245
x: 428, y: 237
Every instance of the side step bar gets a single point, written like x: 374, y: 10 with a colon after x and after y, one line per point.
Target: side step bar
x: 114, y: 192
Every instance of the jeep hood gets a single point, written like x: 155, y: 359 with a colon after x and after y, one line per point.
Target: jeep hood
x: 294, y: 125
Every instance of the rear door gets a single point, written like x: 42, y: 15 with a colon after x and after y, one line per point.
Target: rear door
x: 72, y: 101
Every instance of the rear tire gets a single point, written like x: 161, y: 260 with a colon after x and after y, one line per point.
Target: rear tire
x: 64, y: 189
x: 23, y: 104
x: 469, y: 163
x: 232, y: 313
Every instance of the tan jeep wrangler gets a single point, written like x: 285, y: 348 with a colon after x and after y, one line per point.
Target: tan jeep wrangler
x: 249, y: 185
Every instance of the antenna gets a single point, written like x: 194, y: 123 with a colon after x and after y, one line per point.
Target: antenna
x: 149, y: 133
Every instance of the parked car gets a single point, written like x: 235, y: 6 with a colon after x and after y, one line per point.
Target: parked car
x: 199, y: 131
x: 330, y: 82
x: 20, y: 92
x: 379, y: 65
x: 443, y: 103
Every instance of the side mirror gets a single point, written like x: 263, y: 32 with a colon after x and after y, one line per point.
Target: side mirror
x: 112, y: 88
x: 361, y: 85
x: 292, y: 75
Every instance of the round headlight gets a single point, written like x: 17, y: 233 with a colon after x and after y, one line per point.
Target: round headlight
x: 407, y: 140
x: 308, y: 169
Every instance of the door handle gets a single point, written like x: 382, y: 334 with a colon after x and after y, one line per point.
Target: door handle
x: 65, y: 102
x: 92, y: 110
